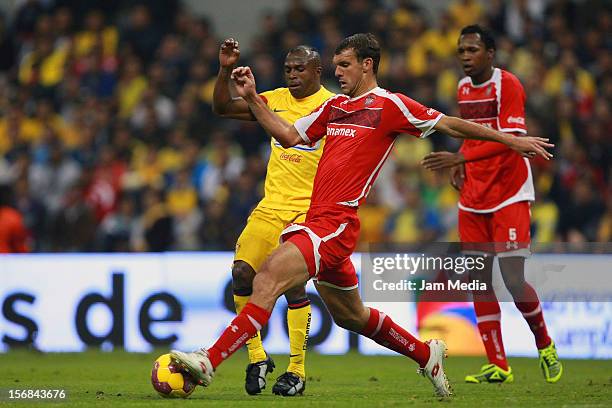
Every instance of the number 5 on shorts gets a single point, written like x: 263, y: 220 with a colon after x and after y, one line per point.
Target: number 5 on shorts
x: 512, y: 234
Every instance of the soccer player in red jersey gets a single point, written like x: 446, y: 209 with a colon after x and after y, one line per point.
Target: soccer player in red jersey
x: 496, y: 189
x: 361, y: 125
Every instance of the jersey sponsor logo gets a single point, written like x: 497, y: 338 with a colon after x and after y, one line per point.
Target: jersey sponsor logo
x: 519, y: 120
x: 465, y: 90
x: 369, y: 100
x: 292, y: 158
x: 332, y: 131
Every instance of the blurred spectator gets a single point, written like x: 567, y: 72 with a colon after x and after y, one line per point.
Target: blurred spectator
x: 582, y: 216
x: 13, y: 233
x: 8, y: 49
x: 51, y: 179
x: 96, y: 34
x: 141, y: 34
x: 43, y: 67
x: 117, y: 229
x: 106, y: 128
x: 225, y: 164
x: 26, y: 18
x: 302, y: 19
x: 33, y: 211
x: 465, y: 12
x: 130, y: 87
x: 155, y: 229
x: 214, y: 233
x: 73, y: 227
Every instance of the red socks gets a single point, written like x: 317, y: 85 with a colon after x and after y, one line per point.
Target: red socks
x: 250, y: 320
x: 385, y: 332
x: 488, y: 316
x: 532, y: 312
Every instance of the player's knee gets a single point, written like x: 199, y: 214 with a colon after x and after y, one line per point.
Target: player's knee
x: 295, y: 294
x: 516, y: 288
x: 513, y: 275
x: 242, y: 277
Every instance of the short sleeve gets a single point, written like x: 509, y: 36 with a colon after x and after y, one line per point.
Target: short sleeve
x: 408, y: 116
x: 313, y: 127
x: 512, y: 105
x: 266, y: 96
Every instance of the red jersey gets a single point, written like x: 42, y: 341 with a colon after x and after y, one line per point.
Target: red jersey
x: 360, y: 134
x: 495, y: 182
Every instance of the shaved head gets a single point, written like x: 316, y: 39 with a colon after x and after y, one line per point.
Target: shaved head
x: 310, y: 54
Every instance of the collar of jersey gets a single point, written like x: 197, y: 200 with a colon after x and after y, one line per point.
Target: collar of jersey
x: 373, y: 90
x: 488, y: 81
x: 321, y: 89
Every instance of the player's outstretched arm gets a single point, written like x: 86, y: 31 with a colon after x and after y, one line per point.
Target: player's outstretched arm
x: 285, y: 133
x: 444, y: 160
x: 527, y: 146
x: 223, y: 102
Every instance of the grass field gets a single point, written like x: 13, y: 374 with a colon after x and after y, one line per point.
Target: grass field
x: 122, y: 379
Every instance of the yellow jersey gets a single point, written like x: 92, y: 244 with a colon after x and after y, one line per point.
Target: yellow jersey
x: 291, y: 171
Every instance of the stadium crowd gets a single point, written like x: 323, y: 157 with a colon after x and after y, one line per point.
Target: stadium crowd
x: 109, y: 143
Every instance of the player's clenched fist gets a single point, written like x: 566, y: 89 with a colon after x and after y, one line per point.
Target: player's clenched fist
x: 245, y: 82
x: 229, y: 53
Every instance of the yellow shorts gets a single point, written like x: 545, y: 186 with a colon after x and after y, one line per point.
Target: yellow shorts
x: 262, y: 234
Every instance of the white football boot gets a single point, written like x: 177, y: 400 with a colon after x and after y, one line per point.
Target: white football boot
x: 197, y: 363
x: 434, y: 369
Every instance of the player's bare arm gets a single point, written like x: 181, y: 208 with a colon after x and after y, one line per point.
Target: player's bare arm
x: 445, y: 160
x: 527, y: 146
x: 282, y: 131
x: 223, y: 102
x: 442, y: 160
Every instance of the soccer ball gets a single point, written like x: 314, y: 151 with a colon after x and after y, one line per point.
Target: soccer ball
x: 169, y: 381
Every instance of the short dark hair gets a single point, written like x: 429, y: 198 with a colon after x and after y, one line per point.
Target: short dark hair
x: 485, y: 35
x: 309, y: 52
x: 365, y: 45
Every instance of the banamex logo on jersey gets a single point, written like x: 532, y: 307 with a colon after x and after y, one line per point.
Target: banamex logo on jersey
x: 333, y: 131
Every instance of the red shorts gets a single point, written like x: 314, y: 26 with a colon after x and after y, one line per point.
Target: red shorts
x: 505, y: 232
x: 327, y: 240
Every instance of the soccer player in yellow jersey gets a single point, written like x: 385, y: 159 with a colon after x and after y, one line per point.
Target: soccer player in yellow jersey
x: 288, y: 187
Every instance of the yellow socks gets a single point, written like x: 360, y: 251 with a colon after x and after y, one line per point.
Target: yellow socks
x: 298, y: 321
x: 254, y: 345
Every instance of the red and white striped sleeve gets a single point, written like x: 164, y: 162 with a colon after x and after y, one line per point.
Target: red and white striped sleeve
x: 313, y: 127
x: 411, y: 117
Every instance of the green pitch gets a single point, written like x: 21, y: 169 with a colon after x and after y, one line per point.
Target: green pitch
x: 122, y: 379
